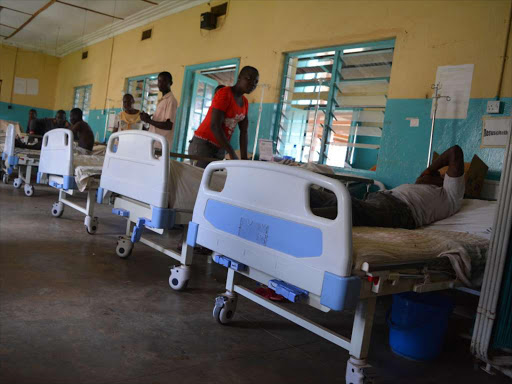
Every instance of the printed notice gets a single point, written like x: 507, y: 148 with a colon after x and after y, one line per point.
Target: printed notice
x: 266, y: 149
x: 32, y: 86
x: 20, y: 85
x: 455, y: 82
x: 496, y: 132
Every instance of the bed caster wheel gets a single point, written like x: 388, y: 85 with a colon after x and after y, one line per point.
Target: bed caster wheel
x: 29, y: 190
x: 5, y: 178
x: 91, y: 224
x: 359, y: 372
x: 17, y: 183
x: 57, y: 209
x: 124, y: 247
x: 225, y: 307
x: 179, y: 277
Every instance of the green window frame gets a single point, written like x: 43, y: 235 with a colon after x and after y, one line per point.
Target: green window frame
x: 82, y: 99
x: 332, y: 104
x: 144, y: 89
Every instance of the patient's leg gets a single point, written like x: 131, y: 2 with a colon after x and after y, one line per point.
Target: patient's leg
x: 381, y: 210
x: 378, y: 210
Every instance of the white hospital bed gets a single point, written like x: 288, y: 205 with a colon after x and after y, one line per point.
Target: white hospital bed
x: 144, y: 192
x: 260, y: 225
x: 65, y: 169
x: 18, y: 159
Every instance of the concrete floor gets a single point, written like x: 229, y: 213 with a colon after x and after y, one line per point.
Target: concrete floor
x: 71, y: 311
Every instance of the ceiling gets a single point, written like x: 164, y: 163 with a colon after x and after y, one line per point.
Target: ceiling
x: 59, y: 27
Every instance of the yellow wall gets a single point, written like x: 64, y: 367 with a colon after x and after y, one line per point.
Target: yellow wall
x: 428, y: 34
x: 32, y: 65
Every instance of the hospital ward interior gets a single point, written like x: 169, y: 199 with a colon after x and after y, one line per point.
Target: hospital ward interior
x: 255, y: 191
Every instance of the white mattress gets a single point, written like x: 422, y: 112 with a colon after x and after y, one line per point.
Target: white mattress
x: 475, y: 217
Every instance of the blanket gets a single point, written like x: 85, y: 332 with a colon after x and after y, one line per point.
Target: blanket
x: 467, y: 253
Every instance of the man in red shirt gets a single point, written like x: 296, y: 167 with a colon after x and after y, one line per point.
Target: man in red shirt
x: 229, y: 108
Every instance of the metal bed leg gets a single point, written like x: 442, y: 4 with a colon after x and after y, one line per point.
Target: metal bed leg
x: 124, y: 243
x: 18, y: 181
x: 180, y: 275
x: 358, y: 371
x: 90, y: 222
x: 225, y: 305
x: 29, y: 188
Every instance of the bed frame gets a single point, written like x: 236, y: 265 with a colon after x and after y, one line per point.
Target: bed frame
x: 56, y: 169
x: 21, y: 162
x: 137, y: 181
x: 260, y: 225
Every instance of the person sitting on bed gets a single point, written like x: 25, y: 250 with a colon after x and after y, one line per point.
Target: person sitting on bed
x: 81, y: 130
x: 39, y: 127
x: 431, y: 198
x: 32, y: 115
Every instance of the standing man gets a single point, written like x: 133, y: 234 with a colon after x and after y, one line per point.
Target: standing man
x: 229, y: 108
x: 162, y: 121
x: 81, y: 130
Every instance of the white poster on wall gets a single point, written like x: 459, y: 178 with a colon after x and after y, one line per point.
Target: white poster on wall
x: 20, y: 86
x: 32, y: 86
x: 455, y: 82
x: 266, y: 149
x: 496, y: 131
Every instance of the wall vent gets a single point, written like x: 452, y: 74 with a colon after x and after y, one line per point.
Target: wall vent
x: 146, y: 34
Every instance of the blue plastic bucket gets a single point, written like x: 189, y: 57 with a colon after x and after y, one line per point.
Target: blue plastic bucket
x: 418, y: 323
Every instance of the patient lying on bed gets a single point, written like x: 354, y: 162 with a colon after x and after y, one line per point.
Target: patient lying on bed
x: 408, y: 206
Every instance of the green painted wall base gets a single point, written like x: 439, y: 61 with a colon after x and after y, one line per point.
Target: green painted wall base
x: 19, y: 113
x: 403, y: 153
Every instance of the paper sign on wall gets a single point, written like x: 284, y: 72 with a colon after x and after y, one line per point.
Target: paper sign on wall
x: 266, y: 149
x: 20, y: 85
x: 496, y: 132
x: 455, y: 82
x: 32, y: 86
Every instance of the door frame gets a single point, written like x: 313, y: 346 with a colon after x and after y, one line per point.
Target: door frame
x: 182, y: 118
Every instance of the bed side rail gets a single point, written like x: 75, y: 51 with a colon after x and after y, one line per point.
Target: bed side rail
x: 268, y: 204
x: 57, y: 154
x: 131, y: 169
x: 9, y: 141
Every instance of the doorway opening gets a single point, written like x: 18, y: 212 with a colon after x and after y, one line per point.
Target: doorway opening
x: 197, y: 95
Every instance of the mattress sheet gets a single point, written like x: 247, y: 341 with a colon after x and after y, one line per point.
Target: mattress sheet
x: 475, y: 217
x: 33, y: 153
x: 467, y: 253
x: 87, y: 171
x: 184, y: 182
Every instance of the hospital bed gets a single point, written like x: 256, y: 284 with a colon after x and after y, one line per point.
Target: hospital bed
x: 18, y: 159
x: 260, y: 226
x: 71, y: 172
x: 153, y: 193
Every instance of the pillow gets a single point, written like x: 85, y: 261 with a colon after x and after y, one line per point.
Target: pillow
x: 474, y: 175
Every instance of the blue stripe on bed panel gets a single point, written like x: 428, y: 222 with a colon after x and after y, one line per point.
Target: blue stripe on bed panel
x: 285, y: 236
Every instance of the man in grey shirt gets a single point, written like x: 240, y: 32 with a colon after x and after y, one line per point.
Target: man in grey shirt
x: 431, y: 198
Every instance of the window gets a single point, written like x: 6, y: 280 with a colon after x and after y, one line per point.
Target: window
x: 144, y: 90
x: 333, y: 103
x: 82, y: 100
